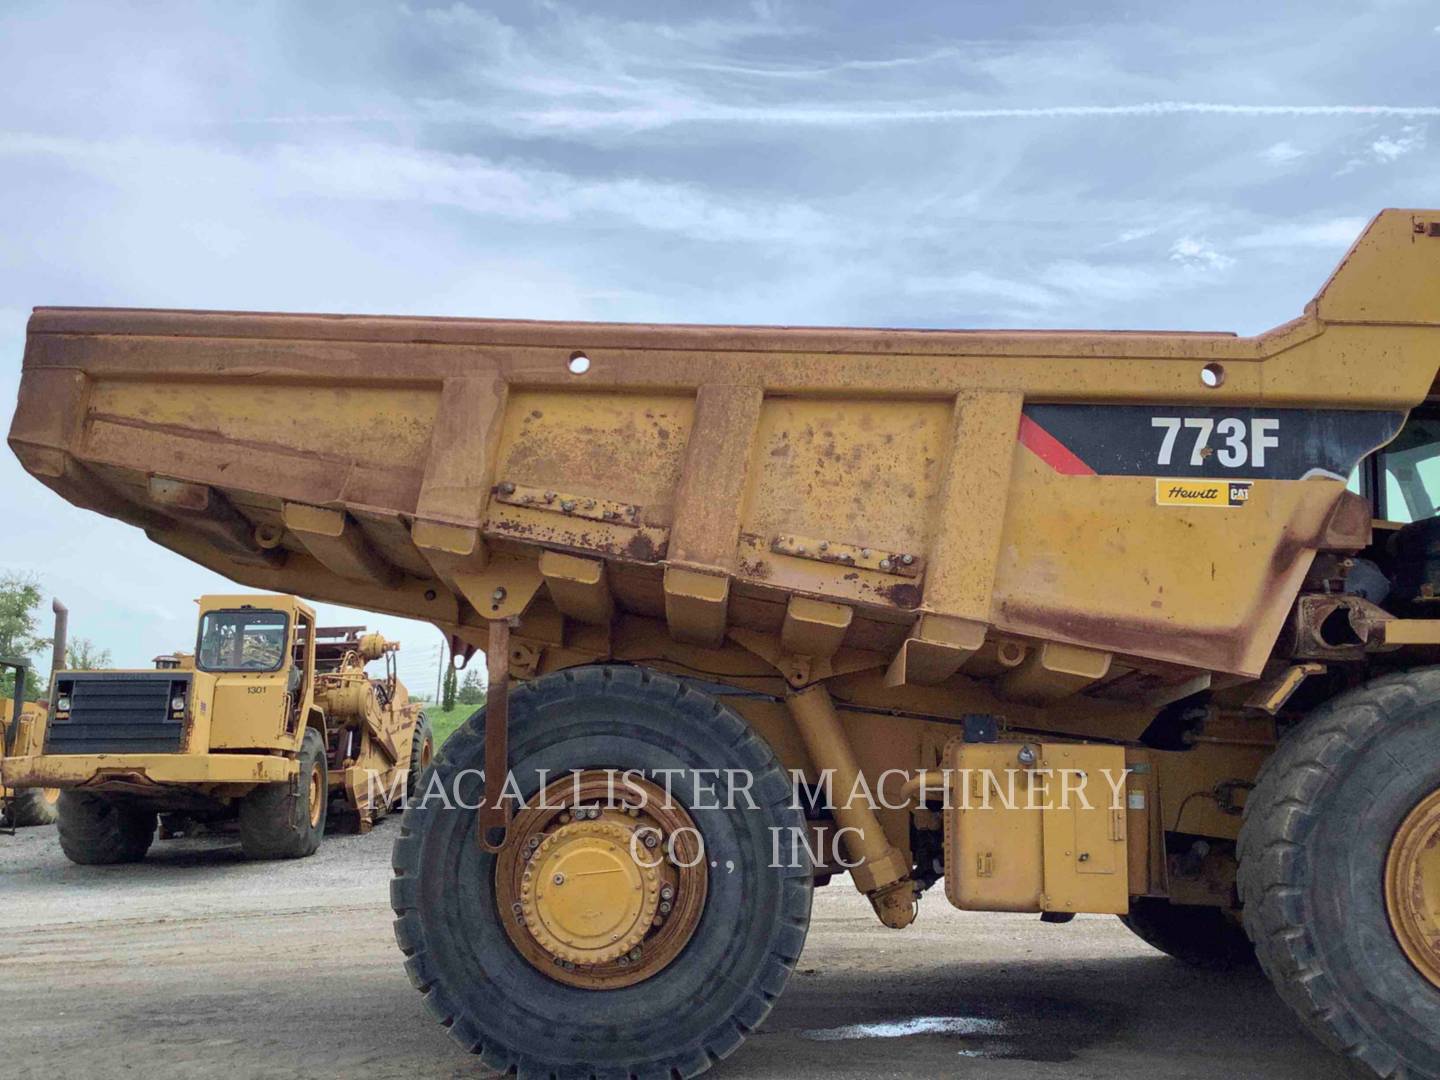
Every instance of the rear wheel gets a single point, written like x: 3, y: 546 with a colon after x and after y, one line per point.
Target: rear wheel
x: 33, y: 806
x: 580, y: 949
x: 287, y: 820
x: 96, y: 831
x: 1340, y: 875
x: 1204, y: 937
x: 422, y: 752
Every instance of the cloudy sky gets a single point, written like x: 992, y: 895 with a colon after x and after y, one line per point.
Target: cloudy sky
x: 940, y: 165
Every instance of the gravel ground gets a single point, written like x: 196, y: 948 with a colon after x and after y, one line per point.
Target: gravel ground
x: 197, y: 963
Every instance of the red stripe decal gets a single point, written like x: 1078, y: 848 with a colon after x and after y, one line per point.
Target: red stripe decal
x: 1051, y: 450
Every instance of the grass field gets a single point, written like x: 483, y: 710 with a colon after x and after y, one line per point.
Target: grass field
x: 443, y: 722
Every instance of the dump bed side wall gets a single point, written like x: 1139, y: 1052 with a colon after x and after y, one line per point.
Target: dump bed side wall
x: 914, y: 477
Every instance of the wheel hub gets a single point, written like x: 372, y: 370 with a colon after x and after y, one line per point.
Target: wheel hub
x: 585, y: 897
x: 599, y: 888
x: 317, y: 794
x: 1412, y: 887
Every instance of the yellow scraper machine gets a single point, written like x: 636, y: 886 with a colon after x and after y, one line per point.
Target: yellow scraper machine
x: 1129, y: 623
x: 267, y: 724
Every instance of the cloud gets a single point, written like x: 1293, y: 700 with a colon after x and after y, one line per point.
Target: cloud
x: 1190, y: 251
x: 385, y: 173
x: 1388, y: 148
x: 827, y: 70
x: 1106, y: 283
x: 679, y: 110
x: 1335, y: 233
x: 982, y: 284
x: 1282, y: 153
x: 1129, y: 236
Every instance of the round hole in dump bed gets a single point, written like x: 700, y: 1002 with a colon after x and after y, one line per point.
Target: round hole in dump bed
x: 579, y: 363
x: 1212, y: 375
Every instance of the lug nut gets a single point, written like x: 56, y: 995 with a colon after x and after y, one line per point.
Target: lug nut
x: 651, y: 840
x: 665, y: 907
x: 885, y: 564
x: 558, y: 879
x: 907, y: 560
x: 635, y: 953
x: 667, y: 892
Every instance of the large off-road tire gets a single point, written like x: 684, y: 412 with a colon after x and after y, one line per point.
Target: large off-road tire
x: 1318, y: 831
x: 1203, y: 937
x: 287, y: 820
x: 95, y: 830
x: 422, y: 752
x: 748, y: 932
x: 32, y: 806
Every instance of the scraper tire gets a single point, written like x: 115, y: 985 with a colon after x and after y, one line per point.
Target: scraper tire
x: 283, y: 821
x: 422, y: 752
x: 34, y: 806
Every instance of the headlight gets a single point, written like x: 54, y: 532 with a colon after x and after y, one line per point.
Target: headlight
x: 62, y: 703
x: 177, y: 703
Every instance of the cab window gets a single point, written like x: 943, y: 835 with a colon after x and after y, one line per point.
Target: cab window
x: 1409, y: 478
x: 242, y: 640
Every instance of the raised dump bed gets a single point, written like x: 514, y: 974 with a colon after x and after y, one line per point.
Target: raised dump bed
x: 860, y: 551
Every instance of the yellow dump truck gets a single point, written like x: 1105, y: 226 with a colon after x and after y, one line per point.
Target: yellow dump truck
x: 1129, y: 623
x: 271, y: 719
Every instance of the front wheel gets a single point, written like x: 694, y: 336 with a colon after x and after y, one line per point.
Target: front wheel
x: 96, y: 830
x: 626, y: 928
x: 1340, y: 873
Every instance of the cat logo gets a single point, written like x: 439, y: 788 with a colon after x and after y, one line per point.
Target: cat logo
x: 1225, y: 493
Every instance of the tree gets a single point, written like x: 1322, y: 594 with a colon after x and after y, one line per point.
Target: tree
x: 82, y: 655
x: 472, y: 688
x: 447, y: 700
x: 19, y: 628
